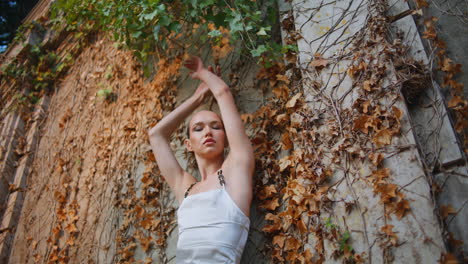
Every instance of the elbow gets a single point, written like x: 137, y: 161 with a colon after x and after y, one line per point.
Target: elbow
x: 222, y: 91
x: 155, y: 132
x: 152, y: 131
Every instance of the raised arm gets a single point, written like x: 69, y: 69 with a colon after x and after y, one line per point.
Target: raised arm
x: 241, y: 152
x: 160, y: 135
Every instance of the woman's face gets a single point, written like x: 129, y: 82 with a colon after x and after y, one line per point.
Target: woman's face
x: 207, y: 135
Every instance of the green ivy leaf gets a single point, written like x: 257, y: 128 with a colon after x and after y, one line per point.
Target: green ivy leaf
x: 104, y: 93
x: 289, y: 47
x: 206, y: 3
x: 149, y: 16
x: 193, y: 13
x: 214, y: 33
x: 164, y: 20
x: 161, y: 7
x: 258, y: 51
x: 344, y: 241
x: 136, y: 34
x: 263, y: 31
x: 175, y: 27
x: 156, y: 32
x: 236, y: 23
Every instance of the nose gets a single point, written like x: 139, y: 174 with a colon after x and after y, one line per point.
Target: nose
x: 208, y: 132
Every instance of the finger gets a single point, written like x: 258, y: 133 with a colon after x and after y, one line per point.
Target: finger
x: 210, y: 68
x: 198, y: 60
x: 218, y: 70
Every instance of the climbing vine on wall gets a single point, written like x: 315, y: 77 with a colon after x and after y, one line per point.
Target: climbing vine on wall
x: 297, y: 192
x: 148, y: 26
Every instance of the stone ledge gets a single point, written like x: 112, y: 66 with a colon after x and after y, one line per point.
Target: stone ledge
x: 11, y: 134
x: 15, y: 199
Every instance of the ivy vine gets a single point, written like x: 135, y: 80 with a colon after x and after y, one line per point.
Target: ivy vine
x: 149, y: 25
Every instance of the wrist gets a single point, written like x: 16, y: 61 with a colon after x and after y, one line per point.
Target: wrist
x: 203, y: 72
x: 197, y: 99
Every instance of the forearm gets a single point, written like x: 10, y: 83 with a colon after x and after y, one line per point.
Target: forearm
x: 217, y: 86
x: 171, y: 122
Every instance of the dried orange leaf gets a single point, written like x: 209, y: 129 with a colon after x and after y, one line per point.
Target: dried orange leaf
x: 71, y: 241
x: 292, y: 244
x: 71, y: 228
x: 376, y: 158
x: 281, y: 118
x: 445, y: 210
x: 281, y: 92
x: 319, y: 63
x: 365, y: 106
x: 286, y: 141
x: 307, y: 255
x: 387, y: 229
x: 279, y: 240
x: 397, y: 111
x: 139, y: 211
x: 291, y: 103
x: 37, y: 257
x: 301, y: 226
x: 267, y: 192
x: 285, y: 162
x: 283, y: 78
x: 367, y: 85
x: 455, y: 101
x: 383, y: 137
x: 277, y: 254
x: 422, y: 3
x: 402, y: 208
x: 145, y: 243
x: 270, y: 204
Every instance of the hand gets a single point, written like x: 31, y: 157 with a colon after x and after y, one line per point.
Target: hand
x: 203, y: 90
x: 194, y: 64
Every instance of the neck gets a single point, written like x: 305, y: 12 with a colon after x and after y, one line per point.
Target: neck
x: 209, y: 167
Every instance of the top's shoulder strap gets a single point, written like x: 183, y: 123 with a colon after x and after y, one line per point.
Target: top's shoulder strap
x: 186, y: 192
x: 221, y: 178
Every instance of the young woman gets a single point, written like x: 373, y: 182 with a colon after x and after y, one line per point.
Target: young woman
x: 213, y: 215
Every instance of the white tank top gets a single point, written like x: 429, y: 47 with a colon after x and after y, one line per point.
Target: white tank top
x: 212, y: 228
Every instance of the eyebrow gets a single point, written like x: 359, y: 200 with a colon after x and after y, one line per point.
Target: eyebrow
x: 201, y: 123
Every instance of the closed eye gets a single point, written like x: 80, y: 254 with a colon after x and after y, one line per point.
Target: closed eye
x: 216, y: 125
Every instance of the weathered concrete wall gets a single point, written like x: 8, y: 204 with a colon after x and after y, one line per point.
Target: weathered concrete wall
x: 441, y: 152
x: 328, y: 29
x: 452, y: 28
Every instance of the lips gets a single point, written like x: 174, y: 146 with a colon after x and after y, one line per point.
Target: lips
x: 209, y: 140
